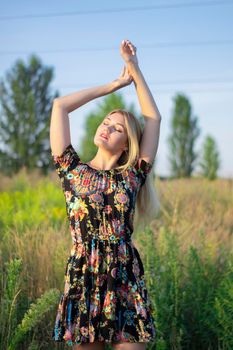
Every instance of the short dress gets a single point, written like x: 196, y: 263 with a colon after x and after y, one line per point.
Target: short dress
x: 105, y: 295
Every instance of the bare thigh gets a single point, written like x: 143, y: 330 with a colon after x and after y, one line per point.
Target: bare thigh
x: 128, y: 346
x: 97, y: 345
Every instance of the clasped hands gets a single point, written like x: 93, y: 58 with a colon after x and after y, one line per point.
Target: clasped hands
x: 128, y: 53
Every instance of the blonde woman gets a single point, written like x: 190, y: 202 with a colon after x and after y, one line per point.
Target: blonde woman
x: 105, y: 298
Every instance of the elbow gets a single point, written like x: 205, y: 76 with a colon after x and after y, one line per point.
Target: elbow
x: 57, y: 103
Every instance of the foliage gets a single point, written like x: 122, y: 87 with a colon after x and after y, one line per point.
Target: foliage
x: 26, y: 104
x: 33, y: 317
x: 223, y: 309
x: 186, y: 253
x: 184, y: 132
x: 210, y: 161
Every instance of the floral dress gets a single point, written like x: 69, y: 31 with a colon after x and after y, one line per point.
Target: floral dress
x: 105, y: 296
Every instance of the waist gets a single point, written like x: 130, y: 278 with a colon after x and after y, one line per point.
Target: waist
x: 97, y: 241
x: 111, y: 237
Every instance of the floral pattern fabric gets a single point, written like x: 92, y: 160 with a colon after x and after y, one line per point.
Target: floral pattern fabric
x: 105, y: 296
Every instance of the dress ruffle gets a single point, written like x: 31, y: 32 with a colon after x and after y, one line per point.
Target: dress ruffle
x: 105, y: 296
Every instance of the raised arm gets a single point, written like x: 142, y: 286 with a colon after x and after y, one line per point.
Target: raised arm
x: 62, y: 106
x: 150, y: 138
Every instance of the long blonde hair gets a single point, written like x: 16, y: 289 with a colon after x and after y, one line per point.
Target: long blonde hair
x: 147, y: 203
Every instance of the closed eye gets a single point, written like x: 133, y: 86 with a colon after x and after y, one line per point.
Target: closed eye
x: 116, y: 129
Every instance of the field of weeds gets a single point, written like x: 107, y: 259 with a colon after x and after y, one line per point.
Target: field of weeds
x: 186, y: 251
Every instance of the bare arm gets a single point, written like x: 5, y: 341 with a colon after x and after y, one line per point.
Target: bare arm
x: 77, y: 99
x: 150, y: 138
x: 147, y: 103
x: 62, y: 106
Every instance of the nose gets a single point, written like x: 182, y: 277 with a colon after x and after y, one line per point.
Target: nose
x: 106, y: 130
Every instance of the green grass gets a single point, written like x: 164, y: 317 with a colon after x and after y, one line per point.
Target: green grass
x: 186, y: 251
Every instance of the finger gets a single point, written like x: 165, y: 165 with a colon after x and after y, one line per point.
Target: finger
x: 132, y: 47
x: 123, y: 71
x: 128, y: 72
x: 129, y: 42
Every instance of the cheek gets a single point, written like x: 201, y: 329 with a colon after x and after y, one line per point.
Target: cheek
x: 98, y: 131
x: 119, y: 136
x: 120, y: 140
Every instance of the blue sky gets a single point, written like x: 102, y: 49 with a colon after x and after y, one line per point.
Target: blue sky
x: 182, y: 47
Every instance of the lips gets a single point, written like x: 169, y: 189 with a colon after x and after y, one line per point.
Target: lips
x: 104, y: 135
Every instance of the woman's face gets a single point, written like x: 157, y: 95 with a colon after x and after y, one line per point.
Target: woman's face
x: 114, y: 135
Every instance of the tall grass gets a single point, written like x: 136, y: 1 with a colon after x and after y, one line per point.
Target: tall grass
x: 188, y: 258
x: 186, y: 251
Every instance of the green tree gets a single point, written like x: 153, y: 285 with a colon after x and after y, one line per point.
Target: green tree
x: 182, y: 139
x: 210, y: 161
x: 25, y: 102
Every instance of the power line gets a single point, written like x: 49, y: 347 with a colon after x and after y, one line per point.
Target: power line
x: 186, y: 91
x: 173, y: 91
x: 169, y: 91
x: 195, y: 81
x: 139, y: 8
x: 113, y: 48
x: 171, y: 82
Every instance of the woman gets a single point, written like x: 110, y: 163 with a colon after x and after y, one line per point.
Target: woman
x: 105, y: 297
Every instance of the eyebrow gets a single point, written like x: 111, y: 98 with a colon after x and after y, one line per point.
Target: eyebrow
x: 117, y: 123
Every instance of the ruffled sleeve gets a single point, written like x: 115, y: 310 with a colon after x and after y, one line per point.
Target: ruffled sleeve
x: 143, y: 168
x: 65, y: 162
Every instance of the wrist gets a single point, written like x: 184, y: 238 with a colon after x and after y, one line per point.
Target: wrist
x: 114, y: 85
x: 133, y: 68
x: 132, y: 65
